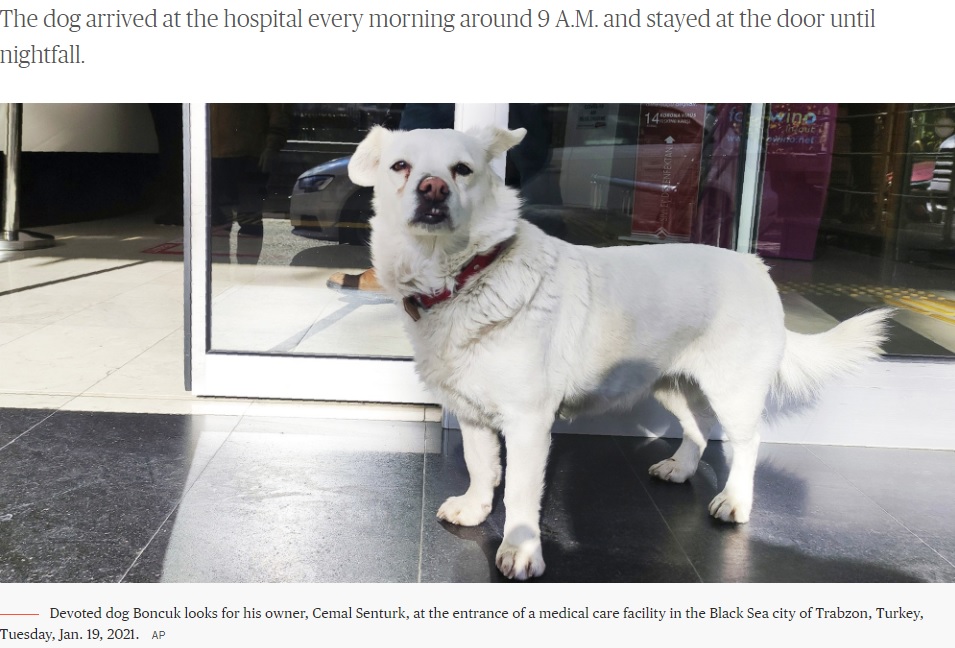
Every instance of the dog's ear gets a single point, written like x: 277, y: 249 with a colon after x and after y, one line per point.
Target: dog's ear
x: 497, y: 141
x: 363, y: 166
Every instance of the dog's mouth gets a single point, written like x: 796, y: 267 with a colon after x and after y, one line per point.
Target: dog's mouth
x: 431, y: 215
x: 432, y: 210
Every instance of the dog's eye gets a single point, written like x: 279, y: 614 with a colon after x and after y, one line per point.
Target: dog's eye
x: 400, y: 165
x: 461, y: 169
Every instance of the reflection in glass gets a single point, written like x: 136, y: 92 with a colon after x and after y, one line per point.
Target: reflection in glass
x: 288, y: 225
x: 620, y: 174
x: 857, y: 213
x: 855, y: 209
x: 284, y: 219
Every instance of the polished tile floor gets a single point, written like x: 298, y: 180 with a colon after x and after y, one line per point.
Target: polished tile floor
x: 110, y: 471
x: 90, y: 497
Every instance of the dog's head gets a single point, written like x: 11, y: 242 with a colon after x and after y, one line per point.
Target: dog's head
x: 431, y: 181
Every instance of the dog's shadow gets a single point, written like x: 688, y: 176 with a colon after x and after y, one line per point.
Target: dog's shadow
x: 604, y: 519
x: 581, y: 518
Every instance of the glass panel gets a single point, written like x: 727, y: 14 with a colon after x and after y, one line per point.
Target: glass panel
x: 857, y: 212
x: 628, y: 174
x: 286, y: 223
x: 285, y: 218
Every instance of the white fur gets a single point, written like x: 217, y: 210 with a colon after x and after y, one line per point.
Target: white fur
x: 552, y: 328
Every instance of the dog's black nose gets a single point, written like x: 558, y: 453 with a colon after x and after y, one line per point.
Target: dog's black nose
x: 433, y: 189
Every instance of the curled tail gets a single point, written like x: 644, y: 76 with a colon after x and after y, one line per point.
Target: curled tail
x: 811, y: 360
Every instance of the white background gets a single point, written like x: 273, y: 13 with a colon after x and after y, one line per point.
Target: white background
x: 903, y: 58
x: 929, y: 600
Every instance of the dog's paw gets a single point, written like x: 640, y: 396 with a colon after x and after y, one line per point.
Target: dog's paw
x: 731, y: 508
x: 464, y: 511
x: 521, y: 561
x: 672, y: 471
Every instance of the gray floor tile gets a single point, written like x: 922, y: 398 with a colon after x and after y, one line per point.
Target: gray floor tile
x: 290, y: 506
x: 83, y: 493
x: 14, y: 422
x: 101, y: 497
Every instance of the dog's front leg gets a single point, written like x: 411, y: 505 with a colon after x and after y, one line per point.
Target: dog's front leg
x: 482, y: 454
x: 527, y: 440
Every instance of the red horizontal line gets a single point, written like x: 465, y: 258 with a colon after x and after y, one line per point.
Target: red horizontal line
x: 27, y: 614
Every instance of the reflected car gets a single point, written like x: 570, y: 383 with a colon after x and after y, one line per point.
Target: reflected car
x: 327, y: 206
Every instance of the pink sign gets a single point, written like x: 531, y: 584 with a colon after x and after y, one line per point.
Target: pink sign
x: 800, y: 129
x: 798, y: 163
x: 667, y: 171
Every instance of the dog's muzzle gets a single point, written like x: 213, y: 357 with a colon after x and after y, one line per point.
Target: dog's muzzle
x: 432, y: 206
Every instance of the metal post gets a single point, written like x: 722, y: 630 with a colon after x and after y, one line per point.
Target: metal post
x: 11, y: 238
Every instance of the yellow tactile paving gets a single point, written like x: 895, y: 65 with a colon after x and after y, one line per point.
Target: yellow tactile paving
x: 924, y: 302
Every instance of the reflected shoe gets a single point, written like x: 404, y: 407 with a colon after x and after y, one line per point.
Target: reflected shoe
x: 364, y: 284
x: 250, y: 224
x: 252, y: 230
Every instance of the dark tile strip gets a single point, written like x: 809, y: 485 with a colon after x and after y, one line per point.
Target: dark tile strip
x: 7, y: 438
x: 73, y: 278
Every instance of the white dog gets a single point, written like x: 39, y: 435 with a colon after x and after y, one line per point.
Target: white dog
x: 512, y: 327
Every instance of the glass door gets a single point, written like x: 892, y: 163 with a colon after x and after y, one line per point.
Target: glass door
x: 283, y: 302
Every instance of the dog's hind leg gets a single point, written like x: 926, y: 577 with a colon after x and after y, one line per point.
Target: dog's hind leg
x: 482, y: 454
x: 687, y: 403
x: 739, y: 408
x: 528, y: 441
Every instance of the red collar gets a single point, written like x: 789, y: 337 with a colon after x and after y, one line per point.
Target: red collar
x: 420, y: 300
